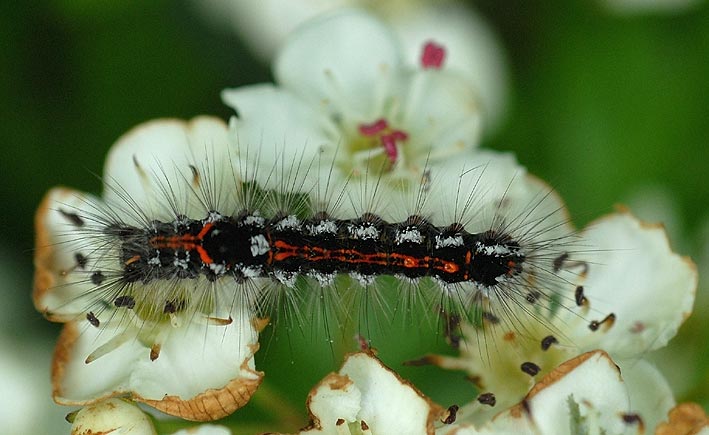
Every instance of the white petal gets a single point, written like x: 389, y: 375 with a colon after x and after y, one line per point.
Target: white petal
x: 589, y: 384
x: 278, y: 131
x: 650, y: 395
x: 442, y: 111
x: 389, y: 404
x: 486, y: 185
x: 367, y: 394
x: 335, y: 397
x: 636, y: 276
x: 202, y: 372
x: 153, y: 164
x: 61, y: 287
x: 338, y: 61
x: 472, y: 48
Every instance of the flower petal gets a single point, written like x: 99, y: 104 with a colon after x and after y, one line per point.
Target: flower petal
x: 650, y: 394
x: 203, y: 372
x: 339, y: 58
x: 165, y: 160
x: 442, y: 111
x: 60, y: 284
x: 373, y: 397
x: 472, y: 48
x: 583, y: 393
x: 336, y: 399
x: 389, y: 404
x: 649, y: 288
x: 274, y: 127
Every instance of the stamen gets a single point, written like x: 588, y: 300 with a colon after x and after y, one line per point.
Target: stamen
x: 388, y: 136
x: 433, y: 55
x: 374, y: 128
x: 111, y: 345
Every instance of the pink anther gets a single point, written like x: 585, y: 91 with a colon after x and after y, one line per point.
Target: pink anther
x: 433, y: 55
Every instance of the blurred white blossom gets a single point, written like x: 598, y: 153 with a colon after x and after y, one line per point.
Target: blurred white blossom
x: 474, y: 50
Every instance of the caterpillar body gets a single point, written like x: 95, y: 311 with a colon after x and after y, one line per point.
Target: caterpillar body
x: 206, y: 242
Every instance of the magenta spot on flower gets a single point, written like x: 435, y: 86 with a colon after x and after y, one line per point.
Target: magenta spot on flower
x: 433, y: 55
x: 389, y: 145
x: 387, y: 136
x: 374, y: 128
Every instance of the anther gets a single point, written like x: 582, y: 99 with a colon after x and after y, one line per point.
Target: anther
x: 74, y: 218
x: 548, y: 341
x: 608, y: 321
x: 487, y: 399
x: 530, y: 368
x: 91, y: 317
x: 97, y: 278
x: 451, y: 414
x: 580, y: 298
x: 81, y: 260
x: 432, y: 56
x: 124, y: 302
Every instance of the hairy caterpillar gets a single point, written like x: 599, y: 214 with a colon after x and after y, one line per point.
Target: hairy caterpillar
x: 193, y: 230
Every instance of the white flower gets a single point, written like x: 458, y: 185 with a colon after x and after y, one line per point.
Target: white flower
x: 368, y: 398
x: 586, y: 394
x: 633, y: 295
x: 345, y: 97
x: 472, y: 47
x: 183, y: 346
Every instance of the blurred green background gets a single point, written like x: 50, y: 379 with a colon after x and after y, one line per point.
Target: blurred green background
x: 601, y: 106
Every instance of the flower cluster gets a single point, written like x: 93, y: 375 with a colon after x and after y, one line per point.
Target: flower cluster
x: 353, y: 126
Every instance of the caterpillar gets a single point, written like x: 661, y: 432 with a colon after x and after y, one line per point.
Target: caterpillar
x: 210, y: 232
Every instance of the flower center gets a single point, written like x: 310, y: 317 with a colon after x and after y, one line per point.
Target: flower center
x: 385, y: 136
x: 432, y: 56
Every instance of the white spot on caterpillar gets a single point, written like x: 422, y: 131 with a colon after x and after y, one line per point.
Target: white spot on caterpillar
x: 324, y: 227
x: 252, y: 272
x: 496, y: 250
x: 155, y: 261
x: 259, y: 245
x: 214, y: 216
x: 218, y: 269
x: 364, y: 280
x: 288, y: 223
x: 182, y: 263
x: 286, y: 278
x: 254, y: 219
x: 323, y: 279
x: 449, y: 241
x: 363, y: 232
x: 410, y: 235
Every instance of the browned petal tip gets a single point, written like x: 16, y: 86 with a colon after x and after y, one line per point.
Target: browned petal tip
x: 212, y: 404
x: 685, y: 419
